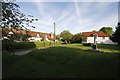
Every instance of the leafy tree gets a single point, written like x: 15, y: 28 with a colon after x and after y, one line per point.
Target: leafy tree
x: 77, y: 38
x: 58, y: 37
x: 66, y: 35
x: 13, y: 17
x: 116, y: 36
x: 84, y: 38
x: 107, y: 30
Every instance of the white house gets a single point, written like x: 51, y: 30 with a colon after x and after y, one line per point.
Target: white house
x: 101, y: 37
x: 38, y: 36
x: 33, y: 35
x: 35, y: 38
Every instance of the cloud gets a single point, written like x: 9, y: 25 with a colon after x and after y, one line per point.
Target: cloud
x: 67, y: 0
x: 77, y: 9
x: 63, y: 16
x: 109, y: 21
x: 75, y: 17
x: 96, y: 15
x: 90, y: 25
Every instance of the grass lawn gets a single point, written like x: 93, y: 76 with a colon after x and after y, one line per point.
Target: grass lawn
x: 65, y: 61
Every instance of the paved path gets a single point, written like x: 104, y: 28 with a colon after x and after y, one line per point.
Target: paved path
x: 20, y: 53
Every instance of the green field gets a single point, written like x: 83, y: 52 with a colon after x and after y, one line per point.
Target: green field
x: 65, y: 61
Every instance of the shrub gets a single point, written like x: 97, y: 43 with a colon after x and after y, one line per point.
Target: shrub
x: 8, y: 45
x: 58, y: 42
x: 46, y: 43
x: 87, y: 44
x: 24, y: 45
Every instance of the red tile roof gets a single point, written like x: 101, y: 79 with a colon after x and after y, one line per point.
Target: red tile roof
x: 26, y: 32
x: 90, y: 34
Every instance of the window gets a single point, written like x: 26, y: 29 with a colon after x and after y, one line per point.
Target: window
x: 103, y: 37
x: 37, y: 35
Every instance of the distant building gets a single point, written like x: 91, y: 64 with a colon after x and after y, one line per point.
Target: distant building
x: 33, y: 35
x: 101, y: 37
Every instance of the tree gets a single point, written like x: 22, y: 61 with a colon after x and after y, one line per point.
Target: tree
x: 77, y: 38
x: 13, y: 17
x: 107, y: 30
x: 66, y: 35
x: 58, y: 37
x: 116, y: 36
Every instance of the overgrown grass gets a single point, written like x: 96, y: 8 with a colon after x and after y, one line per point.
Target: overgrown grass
x: 66, y: 61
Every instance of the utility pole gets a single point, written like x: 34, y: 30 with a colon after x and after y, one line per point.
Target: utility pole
x: 54, y: 34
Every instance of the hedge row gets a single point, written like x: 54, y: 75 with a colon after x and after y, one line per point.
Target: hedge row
x: 46, y: 43
x: 8, y: 45
x: 87, y: 44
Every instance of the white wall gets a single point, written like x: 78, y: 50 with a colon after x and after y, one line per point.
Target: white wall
x: 31, y: 39
x: 104, y: 40
x: 90, y: 40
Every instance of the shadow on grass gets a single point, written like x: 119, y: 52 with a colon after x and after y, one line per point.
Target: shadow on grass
x: 63, y: 62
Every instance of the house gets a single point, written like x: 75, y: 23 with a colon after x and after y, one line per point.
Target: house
x: 33, y: 35
x: 101, y: 37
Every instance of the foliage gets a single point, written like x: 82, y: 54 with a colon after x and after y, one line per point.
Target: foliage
x: 13, y: 17
x: 107, y: 30
x: 8, y: 45
x: 40, y: 44
x: 24, y: 45
x: 58, y: 37
x: 87, y: 44
x: 116, y: 36
x: 77, y: 38
x: 66, y: 35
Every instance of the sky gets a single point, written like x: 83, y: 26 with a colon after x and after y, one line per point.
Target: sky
x: 74, y: 16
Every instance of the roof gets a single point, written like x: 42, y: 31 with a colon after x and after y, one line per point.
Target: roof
x: 5, y: 31
x: 90, y: 34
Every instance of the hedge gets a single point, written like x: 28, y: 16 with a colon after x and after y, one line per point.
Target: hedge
x: 9, y: 45
x: 46, y: 43
x: 87, y: 44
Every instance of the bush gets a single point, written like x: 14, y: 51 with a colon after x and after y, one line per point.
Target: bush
x: 46, y: 43
x: 58, y: 42
x: 10, y: 45
x: 24, y: 45
x: 87, y: 44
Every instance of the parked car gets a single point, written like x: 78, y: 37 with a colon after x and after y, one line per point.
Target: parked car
x: 65, y: 42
